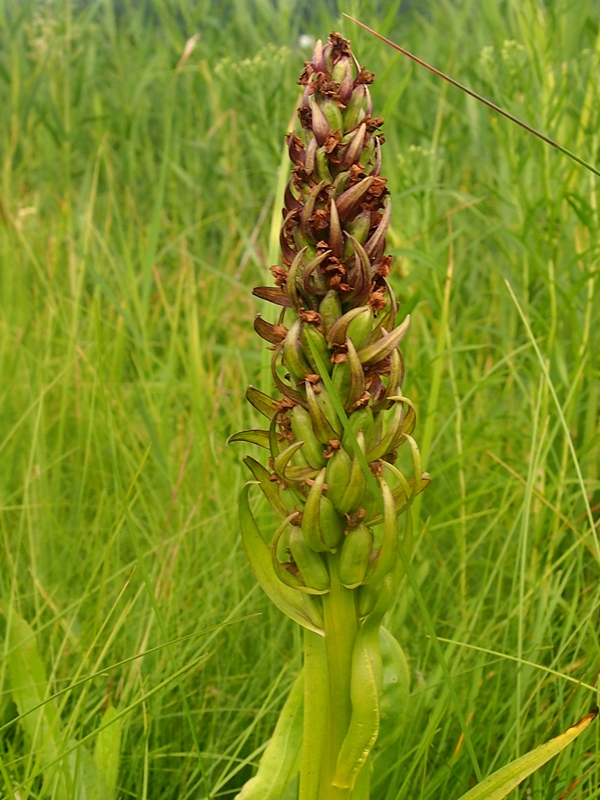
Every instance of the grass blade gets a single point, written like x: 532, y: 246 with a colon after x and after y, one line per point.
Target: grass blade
x: 502, y: 782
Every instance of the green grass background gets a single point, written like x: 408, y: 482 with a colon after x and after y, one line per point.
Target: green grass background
x: 136, y: 206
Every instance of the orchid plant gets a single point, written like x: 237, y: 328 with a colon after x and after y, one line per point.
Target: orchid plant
x: 332, y: 434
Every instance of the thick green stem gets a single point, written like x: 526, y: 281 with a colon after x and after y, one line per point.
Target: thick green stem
x: 327, y: 698
x: 341, y: 625
x: 316, y: 701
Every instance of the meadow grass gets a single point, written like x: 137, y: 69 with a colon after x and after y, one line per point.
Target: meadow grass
x: 137, y: 196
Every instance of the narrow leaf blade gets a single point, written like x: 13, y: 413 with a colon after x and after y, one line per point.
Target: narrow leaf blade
x: 501, y: 783
x: 280, y: 760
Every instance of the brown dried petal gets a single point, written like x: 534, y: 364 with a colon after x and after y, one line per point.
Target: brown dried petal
x: 364, y: 76
x: 279, y: 274
x: 273, y: 294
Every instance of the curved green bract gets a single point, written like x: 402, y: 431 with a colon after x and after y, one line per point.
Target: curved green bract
x: 393, y: 703
x: 501, y: 783
x: 254, y: 436
x: 366, y: 688
x: 281, y: 758
x: 293, y: 604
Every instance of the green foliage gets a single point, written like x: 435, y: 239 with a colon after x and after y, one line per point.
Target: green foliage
x: 70, y: 775
x: 136, y: 200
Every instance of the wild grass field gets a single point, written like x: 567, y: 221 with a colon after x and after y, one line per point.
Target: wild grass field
x: 139, y: 204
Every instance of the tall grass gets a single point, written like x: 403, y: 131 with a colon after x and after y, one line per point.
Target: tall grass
x: 136, y: 195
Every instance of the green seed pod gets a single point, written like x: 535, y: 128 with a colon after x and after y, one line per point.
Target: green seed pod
x: 333, y: 115
x: 341, y: 70
x: 330, y: 309
x: 341, y: 379
x: 356, y: 489
x: 332, y: 528
x: 359, y: 228
x: 311, y: 516
x: 337, y: 475
x: 355, y: 558
x: 357, y: 376
x: 360, y: 328
x: 322, y: 165
x: 354, y: 149
x: 292, y: 353
x: 311, y: 565
x: 376, y: 431
x: 321, y: 426
x: 367, y: 594
x: 355, y: 108
x: 360, y: 420
x: 367, y: 153
x: 303, y: 430
x: 338, y: 332
x: 323, y: 401
x: 341, y: 183
x: 312, y: 338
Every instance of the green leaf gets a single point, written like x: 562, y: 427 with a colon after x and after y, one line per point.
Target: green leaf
x: 502, y: 782
x: 295, y: 605
x: 254, y: 436
x: 393, y: 705
x: 269, y: 488
x: 107, y: 753
x: 281, y: 759
x: 82, y: 774
x: 29, y: 687
x: 70, y: 778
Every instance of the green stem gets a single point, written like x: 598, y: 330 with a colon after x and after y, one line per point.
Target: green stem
x: 327, y: 699
x: 316, y: 701
x: 362, y: 787
x: 341, y: 626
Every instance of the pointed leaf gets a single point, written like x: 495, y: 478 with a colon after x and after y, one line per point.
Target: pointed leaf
x: 283, y: 459
x: 338, y: 331
x: 336, y: 239
x: 272, y: 294
x: 377, y: 239
x: 503, y: 781
x: 387, y: 554
x: 262, y: 402
x: 107, y: 753
x: 281, y: 759
x: 348, y: 202
x: 295, y: 605
x: 254, y: 436
x: 292, y: 289
x: 270, y: 488
x: 269, y: 332
x: 29, y: 687
x: 308, y: 210
x: 383, y: 347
